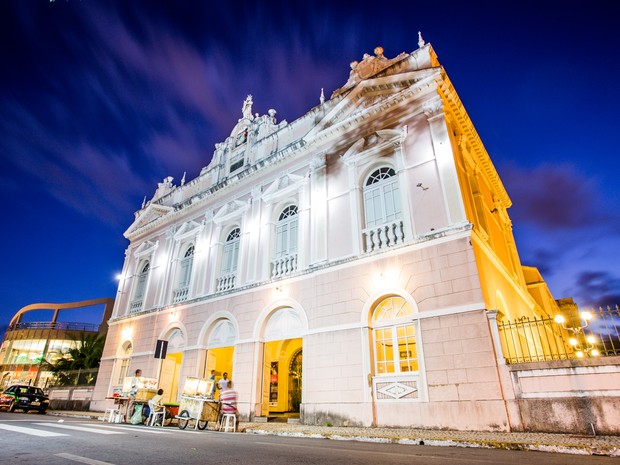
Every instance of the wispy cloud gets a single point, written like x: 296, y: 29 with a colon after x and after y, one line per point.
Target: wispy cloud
x: 557, y: 197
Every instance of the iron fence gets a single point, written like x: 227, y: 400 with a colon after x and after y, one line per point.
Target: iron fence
x: 66, y: 325
x: 544, y: 339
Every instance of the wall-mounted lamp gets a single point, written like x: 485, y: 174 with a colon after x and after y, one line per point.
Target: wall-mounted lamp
x: 421, y: 186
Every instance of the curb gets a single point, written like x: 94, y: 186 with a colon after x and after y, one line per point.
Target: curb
x: 557, y: 448
x: 574, y: 449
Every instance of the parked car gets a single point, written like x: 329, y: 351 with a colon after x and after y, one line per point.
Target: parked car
x: 25, y: 398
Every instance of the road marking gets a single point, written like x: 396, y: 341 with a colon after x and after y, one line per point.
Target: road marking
x: 78, y: 428
x: 30, y: 431
x: 77, y: 458
x: 129, y: 428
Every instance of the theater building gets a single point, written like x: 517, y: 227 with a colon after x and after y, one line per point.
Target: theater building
x: 346, y: 267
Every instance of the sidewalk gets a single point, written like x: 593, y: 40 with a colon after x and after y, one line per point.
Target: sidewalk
x: 545, y: 442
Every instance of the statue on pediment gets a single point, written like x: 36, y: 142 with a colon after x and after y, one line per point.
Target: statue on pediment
x: 247, y: 108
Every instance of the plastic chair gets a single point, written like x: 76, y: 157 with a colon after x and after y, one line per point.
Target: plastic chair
x: 229, y: 421
x: 110, y: 414
x: 155, y: 414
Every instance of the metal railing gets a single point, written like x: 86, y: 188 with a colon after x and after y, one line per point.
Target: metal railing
x: 63, y: 325
x: 543, y: 339
x: 83, y: 377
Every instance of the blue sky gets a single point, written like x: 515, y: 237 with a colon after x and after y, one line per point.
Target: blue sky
x: 100, y: 100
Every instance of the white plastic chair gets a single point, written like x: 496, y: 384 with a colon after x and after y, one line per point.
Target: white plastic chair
x: 155, y: 414
x: 110, y: 414
x: 229, y: 421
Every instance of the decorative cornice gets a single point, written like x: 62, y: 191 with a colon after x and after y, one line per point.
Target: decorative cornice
x: 466, y: 126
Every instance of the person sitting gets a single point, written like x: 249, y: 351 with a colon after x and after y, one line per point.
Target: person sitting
x: 228, y: 400
x: 155, y: 404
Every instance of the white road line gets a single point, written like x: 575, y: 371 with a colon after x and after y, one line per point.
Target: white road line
x: 30, y: 431
x: 129, y: 428
x: 78, y: 428
x: 77, y: 458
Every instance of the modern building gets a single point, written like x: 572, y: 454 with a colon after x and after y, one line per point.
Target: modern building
x: 349, y: 265
x: 27, y: 344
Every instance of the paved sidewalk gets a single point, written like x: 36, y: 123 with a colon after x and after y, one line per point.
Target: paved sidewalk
x: 546, y: 442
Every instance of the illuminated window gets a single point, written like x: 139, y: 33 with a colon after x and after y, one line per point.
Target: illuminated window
x: 394, y: 337
x: 141, y: 279
x: 184, y: 274
x: 230, y: 258
x: 123, y: 362
x: 381, y: 198
x: 286, y: 232
x: 231, y: 252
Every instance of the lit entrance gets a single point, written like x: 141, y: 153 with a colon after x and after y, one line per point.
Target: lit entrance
x: 282, y: 364
x: 220, y: 351
x: 171, y: 367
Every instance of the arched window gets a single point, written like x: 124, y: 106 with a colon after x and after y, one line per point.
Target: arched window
x: 230, y: 257
x: 285, y: 260
x: 184, y: 274
x: 123, y: 362
x: 394, y: 337
x: 382, y: 211
x: 141, y: 280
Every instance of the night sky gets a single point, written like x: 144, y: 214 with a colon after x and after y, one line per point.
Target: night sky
x: 100, y: 100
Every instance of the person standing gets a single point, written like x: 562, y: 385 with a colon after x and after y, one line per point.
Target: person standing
x: 224, y: 382
x: 213, y: 385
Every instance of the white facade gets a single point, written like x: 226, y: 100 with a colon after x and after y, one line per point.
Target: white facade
x: 342, y: 235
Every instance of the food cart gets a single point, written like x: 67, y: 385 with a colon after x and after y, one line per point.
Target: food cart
x: 196, y: 404
x: 139, y: 390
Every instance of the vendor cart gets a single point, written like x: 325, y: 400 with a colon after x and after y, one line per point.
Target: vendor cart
x: 196, y: 404
x: 200, y: 410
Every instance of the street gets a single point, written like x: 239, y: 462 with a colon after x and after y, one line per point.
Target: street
x: 31, y: 438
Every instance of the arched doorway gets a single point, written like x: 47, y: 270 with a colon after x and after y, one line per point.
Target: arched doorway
x: 282, y: 364
x: 171, y: 366
x: 220, y: 350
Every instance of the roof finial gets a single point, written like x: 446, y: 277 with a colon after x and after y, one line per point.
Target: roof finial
x: 420, y: 40
x: 322, y: 98
x: 183, y: 178
x: 144, y: 202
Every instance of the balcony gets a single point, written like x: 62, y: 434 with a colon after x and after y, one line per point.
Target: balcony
x: 226, y: 282
x: 180, y: 294
x: 283, y: 266
x: 135, y: 306
x: 384, y: 236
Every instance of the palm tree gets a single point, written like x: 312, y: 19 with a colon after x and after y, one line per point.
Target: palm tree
x: 85, y: 354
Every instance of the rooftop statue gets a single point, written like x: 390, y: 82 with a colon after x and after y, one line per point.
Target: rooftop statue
x: 247, y: 108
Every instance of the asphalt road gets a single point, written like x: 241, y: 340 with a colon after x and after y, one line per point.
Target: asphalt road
x: 33, y: 439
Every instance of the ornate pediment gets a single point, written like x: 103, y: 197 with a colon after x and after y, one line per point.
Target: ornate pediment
x: 379, y: 143
x: 231, y: 210
x: 282, y: 186
x: 147, y: 217
x: 377, y: 95
x: 188, y: 229
x: 145, y: 249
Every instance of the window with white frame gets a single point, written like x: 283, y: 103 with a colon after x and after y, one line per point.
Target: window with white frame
x: 394, y: 336
x: 123, y: 363
x: 382, y: 210
x: 285, y: 260
x: 230, y: 257
x: 184, y: 274
x: 140, y: 289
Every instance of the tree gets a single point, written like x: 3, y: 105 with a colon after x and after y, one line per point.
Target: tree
x: 84, y: 355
